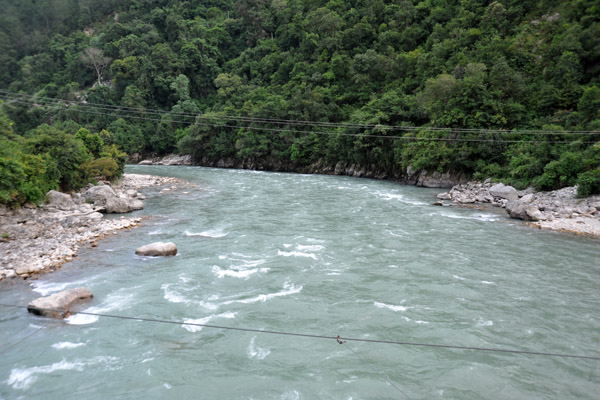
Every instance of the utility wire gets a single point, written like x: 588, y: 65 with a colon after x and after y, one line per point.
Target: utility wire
x: 357, y: 135
x: 34, y: 99
x: 22, y: 339
x: 31, y: 100
x: 164, y: 321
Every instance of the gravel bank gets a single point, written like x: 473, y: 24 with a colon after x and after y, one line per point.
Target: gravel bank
x: 558, y: 210
x: 36, y: 240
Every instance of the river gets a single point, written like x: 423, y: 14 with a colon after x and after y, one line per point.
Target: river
x: 319, y: 255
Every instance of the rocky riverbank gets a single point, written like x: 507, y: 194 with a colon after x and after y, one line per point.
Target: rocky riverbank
x: 432, y: 179
x: 40, y: 239
x: 558, y: 210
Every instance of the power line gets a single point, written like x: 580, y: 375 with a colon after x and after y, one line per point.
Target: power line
x: 272, y: 332
x: 329, y: 133
x: 22, y: 339
x: 34, y: 99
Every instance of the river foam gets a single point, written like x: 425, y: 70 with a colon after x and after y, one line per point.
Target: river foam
x: 296, y: 254
x: 67, y: 345
x: 288, y: 289
x: 23, y: 378
x: 243, y: 274
x: 204, y: 321
x: 212, y: 234
x: 389, y: 306
x: 256, y: 352
x: 116, y: 301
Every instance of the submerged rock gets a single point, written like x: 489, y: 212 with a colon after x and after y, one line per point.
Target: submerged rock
x: 59, y: 304
x: 157, y: 249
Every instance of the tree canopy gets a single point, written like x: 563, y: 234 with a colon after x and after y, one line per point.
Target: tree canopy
x: 226, y: 79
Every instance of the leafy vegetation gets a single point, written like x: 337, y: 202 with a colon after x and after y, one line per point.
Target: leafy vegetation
x: 506, y: 78
x: 49, y: 158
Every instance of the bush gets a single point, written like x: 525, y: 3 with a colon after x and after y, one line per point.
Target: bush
x: 561, y: 172
x: 588, y: 183
x: 105, y: 168
x: 68, y: 153
x: 23, y: 177
x: 117, y: 155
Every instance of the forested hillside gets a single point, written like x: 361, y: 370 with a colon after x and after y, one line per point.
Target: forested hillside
x: 508, y: 89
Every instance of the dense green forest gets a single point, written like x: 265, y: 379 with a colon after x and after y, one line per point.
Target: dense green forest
x: 505, y: 89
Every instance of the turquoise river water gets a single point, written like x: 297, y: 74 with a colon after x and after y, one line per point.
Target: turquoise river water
x: 320, y: 255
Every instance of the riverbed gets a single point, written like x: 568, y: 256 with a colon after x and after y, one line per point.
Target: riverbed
x: 320, y: 255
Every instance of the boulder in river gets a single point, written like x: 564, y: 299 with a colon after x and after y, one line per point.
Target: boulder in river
x: 59, y: 304
x: 157, y: 249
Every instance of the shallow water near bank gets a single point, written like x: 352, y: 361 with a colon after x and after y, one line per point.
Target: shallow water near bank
x: 321, y: 255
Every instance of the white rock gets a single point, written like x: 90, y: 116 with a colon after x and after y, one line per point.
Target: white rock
x: 157, y: 249
x: 59, y: 200
x: 59, y: 304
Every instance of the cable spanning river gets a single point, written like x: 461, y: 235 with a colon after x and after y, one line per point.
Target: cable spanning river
x: 320, y: 255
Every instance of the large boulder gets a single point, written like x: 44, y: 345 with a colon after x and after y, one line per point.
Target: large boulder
x: 59, y: 304
x: 99, y: 194
x: 523, y: 210
x: 157, y: 249
x: 117, y: 205
x: 135, y: 204
x: 504, y: 192
x: 59, y: 200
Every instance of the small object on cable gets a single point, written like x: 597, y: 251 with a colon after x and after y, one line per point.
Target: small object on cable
x: 340, y: 341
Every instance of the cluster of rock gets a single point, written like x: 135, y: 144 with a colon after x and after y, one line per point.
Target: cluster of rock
x: 105, y: 198
x: 62, y: 304
x: 432, y: 179
x: 38, y: 240
x: 557, y: 210
x: 171, y: 159
x: 41, y: 239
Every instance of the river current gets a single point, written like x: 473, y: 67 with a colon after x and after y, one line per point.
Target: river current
x: 319, y: 255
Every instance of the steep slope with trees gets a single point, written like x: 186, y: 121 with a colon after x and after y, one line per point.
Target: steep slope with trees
x: 288, y: 84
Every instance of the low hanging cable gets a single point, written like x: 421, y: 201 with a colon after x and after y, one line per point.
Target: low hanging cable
x: 37, y: 329
x: 121, y: 114
x: 307, y: 335
x: 41, y: 100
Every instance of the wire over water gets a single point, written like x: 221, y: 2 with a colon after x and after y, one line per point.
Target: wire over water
x: 307, y: 335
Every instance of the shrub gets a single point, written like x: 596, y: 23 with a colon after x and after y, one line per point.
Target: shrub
x: 68, y: 153
x: 588, y: 183
x: 561, y: 172
x: 104, y: 167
